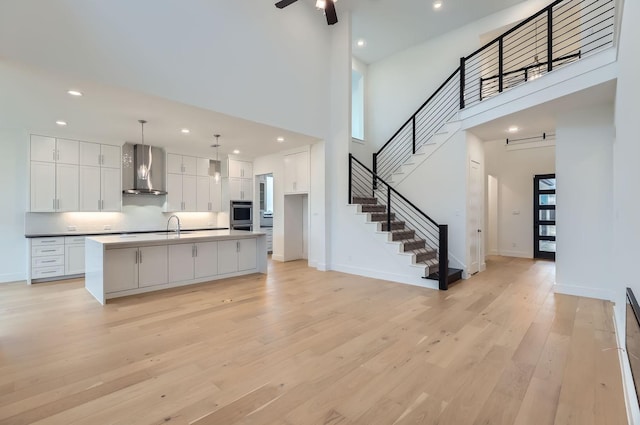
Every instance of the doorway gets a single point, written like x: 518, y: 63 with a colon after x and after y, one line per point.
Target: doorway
x: 544, y: 216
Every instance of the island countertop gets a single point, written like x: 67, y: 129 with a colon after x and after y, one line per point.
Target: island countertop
x: 121, y: 265
x: 163, y: 238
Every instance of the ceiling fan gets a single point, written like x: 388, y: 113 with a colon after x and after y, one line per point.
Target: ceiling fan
x: 328, y: 6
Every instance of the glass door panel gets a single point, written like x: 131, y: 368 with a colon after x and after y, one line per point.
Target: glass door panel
x: 544, y: 216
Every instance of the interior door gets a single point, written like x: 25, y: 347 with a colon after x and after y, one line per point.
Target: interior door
x: 474, y: 211
x: 544, y: 216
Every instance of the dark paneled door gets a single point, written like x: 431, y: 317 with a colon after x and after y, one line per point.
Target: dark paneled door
x: 544, y: 216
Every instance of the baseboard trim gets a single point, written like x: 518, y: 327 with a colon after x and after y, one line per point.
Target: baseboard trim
x: 407, y: 280
x: 12, y: 277
x: 517, y: 254
x: 277, y: 257
x: 584, y: 291
x: 630, y: 399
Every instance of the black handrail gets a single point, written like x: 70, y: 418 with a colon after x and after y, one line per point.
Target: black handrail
x: 453, y: 74
x: 466, y: 75
x: 375, y: 176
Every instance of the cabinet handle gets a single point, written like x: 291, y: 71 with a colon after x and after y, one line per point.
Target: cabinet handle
x: 140, y: 256
x: 54, y: 154
x: 54, y: 203
x: 57, y: 155
x: 136, y: 256
x: 237, y: 246
x: 48, y: 272
x: 48, y: 250
x: 102, y: 204
x: 49, y: 241
x: 98, y: 203
x: 49, y: 261
x: 196, y: 250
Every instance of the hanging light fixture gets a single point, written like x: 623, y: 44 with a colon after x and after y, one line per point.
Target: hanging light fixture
x: 535, y: 69
x: 216, y: 174
x: 143, y: 169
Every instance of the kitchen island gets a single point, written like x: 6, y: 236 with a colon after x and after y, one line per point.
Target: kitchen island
x: 121, y: 265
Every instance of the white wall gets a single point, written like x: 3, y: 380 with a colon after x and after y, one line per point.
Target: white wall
x: 584, y: 215
x: 398, y: 85
x: 244, y: 58
x: 514, y: 171
x: 439, y: 188
x: 13, y: 186
x: 317, y: 206
x: 626, y: 175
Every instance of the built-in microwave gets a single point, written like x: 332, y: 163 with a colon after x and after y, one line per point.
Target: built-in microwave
x: 241, y: 213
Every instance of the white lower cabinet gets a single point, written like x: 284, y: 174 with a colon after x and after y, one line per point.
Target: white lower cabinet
x: 131, y: 268
x: 237, y: 255
x: 152, y: 266
x: 193, y: 261
x: 57, y: 257
x: 74, y: 255
x: 206, y: 259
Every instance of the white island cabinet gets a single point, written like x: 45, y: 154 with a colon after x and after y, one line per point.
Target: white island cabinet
x: 121, y: 265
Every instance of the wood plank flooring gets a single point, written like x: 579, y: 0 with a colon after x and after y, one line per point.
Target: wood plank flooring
x: 298, y: 346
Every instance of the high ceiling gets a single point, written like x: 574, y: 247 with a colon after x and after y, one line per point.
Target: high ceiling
x: 390, y: 26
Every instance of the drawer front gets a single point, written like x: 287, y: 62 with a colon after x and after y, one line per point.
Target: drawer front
x: 44, y: 272
x: 48, y: 261
x: 74, y: 240
x: 47, y: 241
x: 40, y: 251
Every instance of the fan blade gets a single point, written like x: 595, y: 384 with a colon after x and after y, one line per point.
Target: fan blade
x: 330, y: 12
x: 284, y: 3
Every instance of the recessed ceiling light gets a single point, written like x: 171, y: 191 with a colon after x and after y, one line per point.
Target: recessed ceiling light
x: 361, y: 43
x: 437, y: 4
x: 513, y: 129
x: 236, y: 151
x: 185, y: 131
x: 74, y: 92
x: 61, y: 123
x: 280, y: 139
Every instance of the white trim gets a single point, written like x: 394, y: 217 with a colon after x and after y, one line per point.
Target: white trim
x: 322, y: 267
x: 407, y: 280
x: 517, y: 254
x: 630, y: 399
x: 12, y: 277
x: 276, y: 257
x: 358, y: 141
x: 584, y: 291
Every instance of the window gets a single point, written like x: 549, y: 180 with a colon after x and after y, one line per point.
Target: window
x: 357, y: 105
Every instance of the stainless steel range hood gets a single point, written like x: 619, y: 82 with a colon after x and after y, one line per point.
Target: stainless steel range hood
x: 133, y: 157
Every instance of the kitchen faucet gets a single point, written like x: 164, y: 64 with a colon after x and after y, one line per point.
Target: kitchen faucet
x: 178, y: 220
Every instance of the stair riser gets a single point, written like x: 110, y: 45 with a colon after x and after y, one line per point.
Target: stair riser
x: 400, y: 236
x: 410, y: 246
x: 373, y: 208
x: 368, y: 201
x: 424, y: 256
x: 381, y: 217
x: 394, y: 226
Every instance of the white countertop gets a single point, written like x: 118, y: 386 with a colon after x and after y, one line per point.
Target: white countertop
x: 172, y: 238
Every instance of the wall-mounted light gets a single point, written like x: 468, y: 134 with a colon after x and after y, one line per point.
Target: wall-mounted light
x: 437, y: 4
x: 74, y: 93
x: 61, y: 123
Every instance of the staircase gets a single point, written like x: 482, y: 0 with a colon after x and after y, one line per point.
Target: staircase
x: 562, y: 33
x: 400, y: 233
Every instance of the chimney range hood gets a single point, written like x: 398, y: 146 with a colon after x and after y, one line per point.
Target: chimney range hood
x: 142, y: 170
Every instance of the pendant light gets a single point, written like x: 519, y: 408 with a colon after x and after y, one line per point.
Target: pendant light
x: 143, y: 169
x: 216, y: 174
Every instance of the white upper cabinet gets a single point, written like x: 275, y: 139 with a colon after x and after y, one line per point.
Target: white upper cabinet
x: 240, y: 169
x: 90, y: 154
x: 215, y: 194
x: 43, y: 148
x: 67, y: 151
x: 296, y: 173
x: 202, y: 167
x: 202, y: 194
x: 110, y: 156
x: 181, y: 164
x: 100, y: 188
x: 50, y: 149
x: 75, y: 187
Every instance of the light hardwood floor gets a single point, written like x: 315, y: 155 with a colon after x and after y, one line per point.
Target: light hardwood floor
x: 300, y: 346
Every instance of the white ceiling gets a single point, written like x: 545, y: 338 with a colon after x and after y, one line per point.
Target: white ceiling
x: 34, y: 100
x: 543, y: 118
x: 390, y: 26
